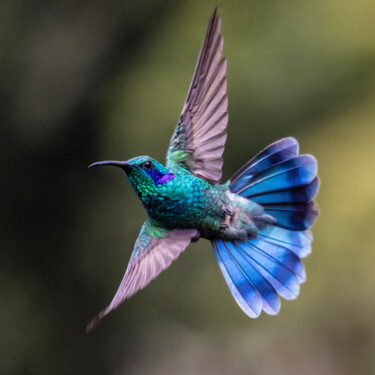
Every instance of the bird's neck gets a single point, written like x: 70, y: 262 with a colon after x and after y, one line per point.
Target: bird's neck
x: 142, y: 188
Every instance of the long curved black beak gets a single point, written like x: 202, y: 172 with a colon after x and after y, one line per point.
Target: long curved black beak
x: 122, y: 164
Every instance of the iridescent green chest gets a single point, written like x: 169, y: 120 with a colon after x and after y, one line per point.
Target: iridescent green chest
x: 186, y: 202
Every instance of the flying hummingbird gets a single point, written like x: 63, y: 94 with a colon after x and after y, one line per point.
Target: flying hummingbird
x: 258, y: 222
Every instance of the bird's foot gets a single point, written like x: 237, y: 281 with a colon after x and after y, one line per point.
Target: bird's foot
x: 228, y: 212
x: 223, y: 227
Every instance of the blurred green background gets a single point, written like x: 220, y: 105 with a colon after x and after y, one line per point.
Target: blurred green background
x: 93, y: 80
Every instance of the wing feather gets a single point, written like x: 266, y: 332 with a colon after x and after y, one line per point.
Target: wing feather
x: 151, y: 255
x: 199, y: 139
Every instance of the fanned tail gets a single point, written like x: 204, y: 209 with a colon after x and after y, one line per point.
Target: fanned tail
x: 260, y: 269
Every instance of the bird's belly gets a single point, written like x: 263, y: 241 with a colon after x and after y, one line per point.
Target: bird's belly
x: 198, y: 211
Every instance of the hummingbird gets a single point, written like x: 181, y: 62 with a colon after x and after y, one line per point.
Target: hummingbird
x: 258, y: 222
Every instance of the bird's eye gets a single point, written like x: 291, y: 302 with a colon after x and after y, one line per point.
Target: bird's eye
x: 147, y: 165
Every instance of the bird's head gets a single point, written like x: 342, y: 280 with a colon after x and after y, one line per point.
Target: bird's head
x: 144, y: 173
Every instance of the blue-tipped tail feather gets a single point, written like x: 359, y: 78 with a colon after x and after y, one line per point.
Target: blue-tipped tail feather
x: 263, y: 268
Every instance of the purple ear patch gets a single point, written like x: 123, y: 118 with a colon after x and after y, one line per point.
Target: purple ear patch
x: 167, y: 177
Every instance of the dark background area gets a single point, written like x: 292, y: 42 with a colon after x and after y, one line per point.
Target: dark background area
x: 93, y: 80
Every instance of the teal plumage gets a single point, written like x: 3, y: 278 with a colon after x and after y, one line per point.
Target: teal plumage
x: 185, y: 201
x: 258, y: 222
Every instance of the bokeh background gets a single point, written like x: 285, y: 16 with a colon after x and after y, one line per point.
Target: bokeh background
x: 92, y: 80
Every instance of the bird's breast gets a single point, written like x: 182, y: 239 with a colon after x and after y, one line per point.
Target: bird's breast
x: 190, y: 204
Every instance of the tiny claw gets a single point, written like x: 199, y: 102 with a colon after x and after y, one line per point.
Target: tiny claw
x: 228, y: 212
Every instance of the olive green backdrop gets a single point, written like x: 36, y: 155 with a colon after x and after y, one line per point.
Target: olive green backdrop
x: 107, y: 80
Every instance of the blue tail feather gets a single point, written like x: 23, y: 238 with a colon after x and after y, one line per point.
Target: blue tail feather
x: 274, y: 269
x: 277, y: 152
x: 287, y: 290
x: 262, y: 273
x: 271, y: 302
x: 260, y: 269
x: 280, y: 255
x: 297, y: 241
x: 293, y: 173
x: 299, y: 216
x: 300, y: 194
x: 243, y: 291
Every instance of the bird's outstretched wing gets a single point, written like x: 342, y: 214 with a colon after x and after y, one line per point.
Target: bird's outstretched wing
x: 199, y: 138
x: 154, y: 251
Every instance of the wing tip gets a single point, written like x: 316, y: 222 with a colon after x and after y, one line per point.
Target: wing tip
x: 95, y: 322
x: 215, y: 13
